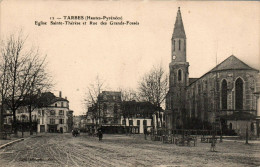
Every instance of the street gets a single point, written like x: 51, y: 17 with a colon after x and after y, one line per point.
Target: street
x: 122, y: 150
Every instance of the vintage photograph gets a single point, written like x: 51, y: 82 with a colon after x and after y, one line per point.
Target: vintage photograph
x: 129, y: 83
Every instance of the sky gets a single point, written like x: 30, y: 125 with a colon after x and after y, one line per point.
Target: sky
x: 121, y: 55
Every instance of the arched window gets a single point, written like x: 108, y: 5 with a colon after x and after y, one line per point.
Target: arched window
x: 179, y: 44
x: 179, y: 74
x: 224, y: 94
x: 173, y: 45
x: 230, y: 126
x: 239, y: 94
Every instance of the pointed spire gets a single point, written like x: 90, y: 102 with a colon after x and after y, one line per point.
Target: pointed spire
x: 178, y: 31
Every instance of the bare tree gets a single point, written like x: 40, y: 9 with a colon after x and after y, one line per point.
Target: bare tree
x: 93, y: 91
x: 153, y: 88
x: 129, y: 94
x: 25, y: 73
x: 3, y: 88
x: 41, y: 82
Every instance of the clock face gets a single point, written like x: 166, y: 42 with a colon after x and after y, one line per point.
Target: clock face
x: 173, y: 57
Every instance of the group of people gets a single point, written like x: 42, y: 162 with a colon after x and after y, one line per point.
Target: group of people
x: 75, y: 133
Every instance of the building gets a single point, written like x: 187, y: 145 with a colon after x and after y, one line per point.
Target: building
x: 52, y: 114
x: 70, y: 120
x: 106, y: 112
x: 91, y: 117
x: 257, y: 93
x: 223, y: 96
x: 108, y: 107
x: 80, y: 122
x: 117, y: 116
x: 136, y: 116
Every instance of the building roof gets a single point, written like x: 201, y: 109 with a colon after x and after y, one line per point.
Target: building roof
x: 109, y: 96
x: 232, y: 63
x: 111, y: 93
x: 48, y: 98
x: 59, y: 99
x: 178, y: 31
x: 134, y: 106
x: 191, y: 80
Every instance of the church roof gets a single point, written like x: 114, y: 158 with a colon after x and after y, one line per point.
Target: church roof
x: 178, y: 31
x: 191, y: 80
x: 232, y: 63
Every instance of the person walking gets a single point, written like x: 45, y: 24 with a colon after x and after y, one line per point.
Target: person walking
x: 100, y: 134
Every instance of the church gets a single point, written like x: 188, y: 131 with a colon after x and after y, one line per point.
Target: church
x: 223, y: 97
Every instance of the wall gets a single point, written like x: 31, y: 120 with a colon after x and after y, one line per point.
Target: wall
x: 141, y: 126
x: 240, y: 127
x: 204, y: 95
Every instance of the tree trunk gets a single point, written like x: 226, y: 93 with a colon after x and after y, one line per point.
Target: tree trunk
x: 14, y: 123
x: 1, y: 120
x: 157, y: 122
x: 125, y: 125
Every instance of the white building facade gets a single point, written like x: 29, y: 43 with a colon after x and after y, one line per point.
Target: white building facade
x: 138, y: 123
x: 51, y: 118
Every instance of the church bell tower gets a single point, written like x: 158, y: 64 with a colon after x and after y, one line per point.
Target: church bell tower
x: 179, y: 73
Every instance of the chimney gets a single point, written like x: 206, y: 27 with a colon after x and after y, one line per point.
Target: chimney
x: 66, y: 97
x: 60, y: 94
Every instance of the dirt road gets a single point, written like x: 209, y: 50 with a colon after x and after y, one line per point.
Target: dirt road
x: 121, y: 150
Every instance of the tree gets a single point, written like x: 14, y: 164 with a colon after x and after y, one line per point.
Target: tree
x: 129, y: 94
x: 153, y: 88
x: 25, y: 73
x: 3, y: 88
x: 93, y: 91
x: 40, y: 83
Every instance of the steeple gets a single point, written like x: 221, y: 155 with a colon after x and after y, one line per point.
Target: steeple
x: 178, y: 31
x: 178, y: 40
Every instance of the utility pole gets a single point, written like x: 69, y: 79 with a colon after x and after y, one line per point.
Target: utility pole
x: 213, y: 144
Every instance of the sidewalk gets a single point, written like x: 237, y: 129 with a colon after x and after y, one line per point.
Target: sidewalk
x: 16, y: 138
x: 242, y: 141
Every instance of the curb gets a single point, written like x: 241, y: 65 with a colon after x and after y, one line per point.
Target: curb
x: 12, y: 142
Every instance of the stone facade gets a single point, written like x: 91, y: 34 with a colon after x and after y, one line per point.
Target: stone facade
x: 113, y: 114
x: 214, y: 97
x: 109, y: 110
